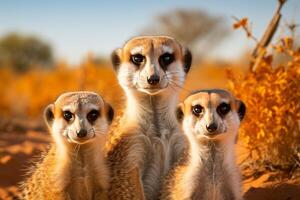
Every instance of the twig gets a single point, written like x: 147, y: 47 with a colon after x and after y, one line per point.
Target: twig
x: 258, y: 53
x: 247, y: 29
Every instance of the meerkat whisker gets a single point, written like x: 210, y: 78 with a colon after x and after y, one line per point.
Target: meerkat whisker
x: 171, y: 78
x: 174, y: 72
x: 173, y: 88
x: 99, y: 131
x: 180, y: 87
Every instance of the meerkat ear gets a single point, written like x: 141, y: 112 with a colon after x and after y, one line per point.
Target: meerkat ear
x: 116, y: 59
x: 109, y: 113
x: 241, y: 109
x: 187, y: 60
x: 179, y: 112
x: 241, y: 113
x: 49, y: 115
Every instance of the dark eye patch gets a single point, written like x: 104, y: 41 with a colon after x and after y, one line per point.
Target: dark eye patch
x: 93, y: 115
x: 165, y: 60
x: 137, y: 59
x: 197, y: 110
x: 68, y: 116
x: 223, y: 109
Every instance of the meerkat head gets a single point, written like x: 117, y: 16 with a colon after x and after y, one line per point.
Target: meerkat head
x: 78, y: 117
x: 211, y: 114
x: 151, y: 64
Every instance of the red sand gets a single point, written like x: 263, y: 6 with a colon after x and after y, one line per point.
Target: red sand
x: 17, y: 150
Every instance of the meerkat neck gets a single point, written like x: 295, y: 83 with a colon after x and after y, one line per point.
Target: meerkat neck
x: 155, y: 109
x: 210, y: 150
x: 80, y: 153
x: 84, y: 160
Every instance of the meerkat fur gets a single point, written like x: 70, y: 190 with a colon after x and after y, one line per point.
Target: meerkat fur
x: 75, y: 165
x: 147, y: 140
x: 208, y: 170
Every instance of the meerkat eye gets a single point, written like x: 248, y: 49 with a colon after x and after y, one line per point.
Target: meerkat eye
x: 166, y: 59
x: 68, y: 116
x: 93, y: 115
x: 223, y: 109
x: 137, y: 59
x: 197, y: 110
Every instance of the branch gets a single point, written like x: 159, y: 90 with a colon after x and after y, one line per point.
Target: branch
x: 258, y: 52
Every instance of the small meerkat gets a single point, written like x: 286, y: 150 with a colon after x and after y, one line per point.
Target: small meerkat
x: 75, y: 165
x: 147, y: 139
x: 210, y: 120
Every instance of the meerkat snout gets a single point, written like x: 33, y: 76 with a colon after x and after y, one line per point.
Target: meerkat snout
x: 87, y: 117
x: 211, y: 127
x: 82, y: 133
x: 153, y: 79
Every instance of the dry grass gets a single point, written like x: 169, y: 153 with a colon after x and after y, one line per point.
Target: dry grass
x: 271, y: 129
x: 26, y: 95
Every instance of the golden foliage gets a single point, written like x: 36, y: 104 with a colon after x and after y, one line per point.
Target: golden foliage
x: 271, y: 129
x: 27, y: 94
x: 272, y: 95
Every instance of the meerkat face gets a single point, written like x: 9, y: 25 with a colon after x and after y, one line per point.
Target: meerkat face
x: 78, y: 117
x: 211, y: 113
x: 151, y: 64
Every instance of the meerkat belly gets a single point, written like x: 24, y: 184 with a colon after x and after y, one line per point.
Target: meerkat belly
x: 157, y: 164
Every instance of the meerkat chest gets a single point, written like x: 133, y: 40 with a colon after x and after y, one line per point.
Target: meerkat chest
x: 159, y: 152
x: 83, y: 184
x: 158, y: 161
x: 160, y: 146
x: 213, y: 180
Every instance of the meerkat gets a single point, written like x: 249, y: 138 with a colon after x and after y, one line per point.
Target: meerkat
x: 75, y: 165
x: 146, y: 141
x: 208, y: 171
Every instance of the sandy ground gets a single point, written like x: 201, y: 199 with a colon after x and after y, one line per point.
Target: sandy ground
x: 18, y: 149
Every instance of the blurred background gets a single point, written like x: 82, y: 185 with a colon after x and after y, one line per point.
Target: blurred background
x: 248, y: 47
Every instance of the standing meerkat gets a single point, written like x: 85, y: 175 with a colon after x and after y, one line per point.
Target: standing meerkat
x: 74, y: 167
x: 208, y: 171
x: 147, y: 140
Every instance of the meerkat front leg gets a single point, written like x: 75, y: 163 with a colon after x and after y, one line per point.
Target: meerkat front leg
x: 127, y: 169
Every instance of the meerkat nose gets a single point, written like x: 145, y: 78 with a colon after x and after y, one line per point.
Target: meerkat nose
x: 82, y: 133
x: 212, y: 127
x: 153, y: 79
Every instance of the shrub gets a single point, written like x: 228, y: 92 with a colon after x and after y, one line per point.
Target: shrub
x: 271, y: 129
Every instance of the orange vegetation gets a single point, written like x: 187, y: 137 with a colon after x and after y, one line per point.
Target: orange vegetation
x: 271, y: 129
x: 26, y: 95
